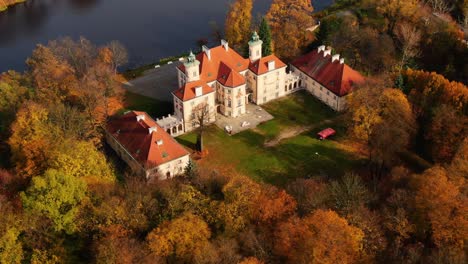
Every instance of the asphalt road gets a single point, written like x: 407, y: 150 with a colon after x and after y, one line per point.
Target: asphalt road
x: 156, y: 83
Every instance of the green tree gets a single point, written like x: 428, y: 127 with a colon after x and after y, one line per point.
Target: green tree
x: 264, y: 32
x: 81, y: 159
x: 56, y: 196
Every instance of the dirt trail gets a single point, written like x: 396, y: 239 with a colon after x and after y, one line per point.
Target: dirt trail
x: 294, y: 131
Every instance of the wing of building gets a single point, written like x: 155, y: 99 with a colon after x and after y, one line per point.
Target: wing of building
x: 145, y: 146
x: 326, y: 76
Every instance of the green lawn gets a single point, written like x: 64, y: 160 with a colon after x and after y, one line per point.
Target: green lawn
x: 299, y: 109
x: 299, y: 156
x: 153, y: 107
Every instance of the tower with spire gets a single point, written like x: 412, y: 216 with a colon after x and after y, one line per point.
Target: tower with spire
x: 192, y: 68
x: 255, y: 47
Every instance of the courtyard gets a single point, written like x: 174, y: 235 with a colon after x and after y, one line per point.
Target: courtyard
x: 295, y: 152
x: 254, y: 116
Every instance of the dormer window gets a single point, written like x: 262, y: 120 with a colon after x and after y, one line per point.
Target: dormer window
x: 271, y: 65
x: 198, y: 91
x: 159, y: 142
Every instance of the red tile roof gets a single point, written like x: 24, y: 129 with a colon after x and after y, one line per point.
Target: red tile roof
x: 134, y: 136
x: 224, y: 66
x: 209, y: 67
x: 228, y: 77
x: 337, y: 77
x: 261, y: 66
x: 187, y: 91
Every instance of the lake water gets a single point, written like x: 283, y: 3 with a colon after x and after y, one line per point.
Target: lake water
x: 150, y: 29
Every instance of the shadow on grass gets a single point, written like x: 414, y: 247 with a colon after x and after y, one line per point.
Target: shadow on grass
x: 154, y: 107
x: 306, y: 157
x: 188, y: 143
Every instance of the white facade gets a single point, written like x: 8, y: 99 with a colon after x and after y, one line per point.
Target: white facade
x: 334, y: 101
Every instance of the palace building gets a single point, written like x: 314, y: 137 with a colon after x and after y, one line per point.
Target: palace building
x: 220, y: 81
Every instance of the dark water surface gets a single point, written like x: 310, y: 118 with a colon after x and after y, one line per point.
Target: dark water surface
x: 150, y: 29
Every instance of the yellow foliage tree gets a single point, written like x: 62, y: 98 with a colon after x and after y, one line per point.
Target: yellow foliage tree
x: 184, y: 238
x: 30, y: 141
x: 238, y: 22
x: 289, y: 20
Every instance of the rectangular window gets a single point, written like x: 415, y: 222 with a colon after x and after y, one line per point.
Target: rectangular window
x: 328, y: 93
x: 239, y: 102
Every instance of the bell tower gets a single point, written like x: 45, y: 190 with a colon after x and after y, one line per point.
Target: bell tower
x: 255, y: 47
x: 192, y: 68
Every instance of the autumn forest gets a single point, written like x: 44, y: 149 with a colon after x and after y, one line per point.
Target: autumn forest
x: 65, y: 197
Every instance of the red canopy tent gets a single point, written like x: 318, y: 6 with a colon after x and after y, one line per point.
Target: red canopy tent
x: 326, y: 133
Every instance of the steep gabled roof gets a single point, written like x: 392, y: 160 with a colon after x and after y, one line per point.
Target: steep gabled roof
x: 224, y: 66
x: 261, y: 66
x: 337, y: 77
x: 187, y: 92
x: 209, y: 67
x: 228, y: 77
x: 142, y: 145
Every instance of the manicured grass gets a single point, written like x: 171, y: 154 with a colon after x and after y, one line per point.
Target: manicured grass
x: 299, y: 109
x: 301, y: 156
x: 152, y: 106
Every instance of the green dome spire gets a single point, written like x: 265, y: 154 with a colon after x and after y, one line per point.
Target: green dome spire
x: 191, y: 57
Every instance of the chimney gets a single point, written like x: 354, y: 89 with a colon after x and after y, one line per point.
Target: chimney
x: 198, y: 91
x: 140, y: 117
x: 327, y: 52
x: 207, y: 51
x: 271, y: 65
x: 321, y: 48
x: 341, y: 60
x: 152, y: 129
x: 225, y: 44
x: 159, y: 142
x: 335, y: 57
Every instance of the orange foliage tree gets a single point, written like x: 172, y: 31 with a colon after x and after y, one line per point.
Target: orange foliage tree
x: 289, y: 20
x: 322, y: 237
x: 442, y: 208
x: 183, y: 238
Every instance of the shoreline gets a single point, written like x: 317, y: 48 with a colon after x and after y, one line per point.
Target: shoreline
x: 5, y: 7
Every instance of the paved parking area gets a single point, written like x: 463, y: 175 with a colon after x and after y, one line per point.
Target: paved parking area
x: 156, y: 83
x: 255, y: 115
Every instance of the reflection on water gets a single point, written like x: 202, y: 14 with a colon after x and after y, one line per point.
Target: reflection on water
x: 150, y: 29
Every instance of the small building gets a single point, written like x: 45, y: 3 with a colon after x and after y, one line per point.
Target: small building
x: 326, y: 76
x: 146, y: 147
